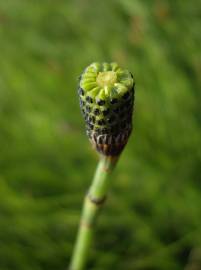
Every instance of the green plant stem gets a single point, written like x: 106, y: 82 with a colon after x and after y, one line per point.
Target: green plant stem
x: 92, y: 205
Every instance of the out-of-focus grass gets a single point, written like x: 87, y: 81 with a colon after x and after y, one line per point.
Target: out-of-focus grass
x: 153, y: 216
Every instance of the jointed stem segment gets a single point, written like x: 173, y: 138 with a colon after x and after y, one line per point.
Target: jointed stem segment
x: 93, y: 202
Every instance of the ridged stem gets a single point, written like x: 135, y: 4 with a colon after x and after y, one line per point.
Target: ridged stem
x: 92, y: 205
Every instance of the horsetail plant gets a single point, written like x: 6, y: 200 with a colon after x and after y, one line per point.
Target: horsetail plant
x: 106, y: 94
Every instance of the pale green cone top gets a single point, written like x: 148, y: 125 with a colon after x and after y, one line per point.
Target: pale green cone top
x: 106, y: 94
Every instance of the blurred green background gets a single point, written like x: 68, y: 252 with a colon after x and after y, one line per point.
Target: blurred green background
x: 152, y: 220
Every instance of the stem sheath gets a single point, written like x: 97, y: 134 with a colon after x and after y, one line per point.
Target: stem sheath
x: 92, y: 204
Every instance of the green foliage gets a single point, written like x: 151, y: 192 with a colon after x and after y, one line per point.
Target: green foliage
x: 153, y: 216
